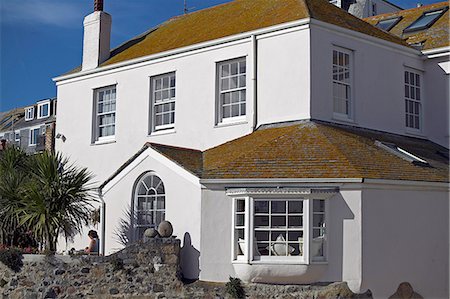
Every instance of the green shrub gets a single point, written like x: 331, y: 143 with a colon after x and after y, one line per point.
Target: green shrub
x: 234, y: 288
x: 12, y: 258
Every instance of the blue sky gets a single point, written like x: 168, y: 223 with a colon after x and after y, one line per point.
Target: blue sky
x: 41, y: 39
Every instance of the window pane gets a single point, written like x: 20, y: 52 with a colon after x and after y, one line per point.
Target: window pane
x: 261, y: 221
x: 295, y: 221
x: 319, y: 205
x: 278, y: 207
x: 295, y: 207
x: 261, y: 207
x: 278, y: 221
x: 240, y: 205
x: 239, y: 220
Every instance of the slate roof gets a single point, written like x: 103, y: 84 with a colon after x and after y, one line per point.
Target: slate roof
x: 436, y: 36
x: 233, y: 18
x: 311, y: 149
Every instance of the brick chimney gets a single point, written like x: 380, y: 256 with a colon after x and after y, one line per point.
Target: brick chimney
x: 96, y: 40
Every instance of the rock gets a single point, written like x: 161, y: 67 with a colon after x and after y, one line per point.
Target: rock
x: 405, y: 291
x: 85, y: 270
x: 60, y: 271
x: 50, y: 294
x: 165, y: 229
x: 113, y: 291
x: 150, y: 233
x: 157, y: 288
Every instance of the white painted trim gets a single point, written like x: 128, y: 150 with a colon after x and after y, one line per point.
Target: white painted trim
x: 221, y: 42
x: 367, y: 38
x: 442, y: 50
x: 416, y: 184
x: 158, y: 157
x: 39, y: 107
x: 281, y: 180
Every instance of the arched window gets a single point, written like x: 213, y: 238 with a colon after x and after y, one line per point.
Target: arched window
x: 149, y: 203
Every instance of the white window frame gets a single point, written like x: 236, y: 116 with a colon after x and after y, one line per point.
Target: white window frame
x: 350, y: 101
x: 153, y: 210
x: 30, y: 136
x: 416, y: 103
x: 40, y: 108
x: 171, y: 100
x: 248, y: 256
x: 15, y: 137
x: 96, y: 121
x: 29, y: 113
x: 219, y: 103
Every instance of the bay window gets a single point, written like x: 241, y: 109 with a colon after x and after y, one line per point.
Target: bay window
x: 281, y: 227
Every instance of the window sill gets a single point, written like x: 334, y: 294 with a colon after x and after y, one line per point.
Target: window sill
x: 279, y: 262
x: 232, y: 122
x: 106, y: 141
x: 342, y: 118
x: 162, y: 132
x: 414, y: 132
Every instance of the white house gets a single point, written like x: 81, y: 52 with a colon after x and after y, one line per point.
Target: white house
x: 287, y: 141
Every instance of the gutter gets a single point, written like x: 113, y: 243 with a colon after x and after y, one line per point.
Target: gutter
x: 103, y: 222
x: 255, y: 81
x: 437, y: 52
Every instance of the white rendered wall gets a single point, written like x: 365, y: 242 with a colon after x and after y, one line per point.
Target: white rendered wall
x: 437, y: 97
x: 405, y: 238
x: 283, y: 95
x: 378, y: 82
x: 283, y: 77
x: 382, y: 7
x: 183, y: 208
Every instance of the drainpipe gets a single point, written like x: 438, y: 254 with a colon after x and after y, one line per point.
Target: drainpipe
x: 254, y: 81
x: 103, y: 221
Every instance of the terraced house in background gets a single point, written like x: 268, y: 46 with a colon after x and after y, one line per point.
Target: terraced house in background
x: 32, y: 128
x: 287, y: 141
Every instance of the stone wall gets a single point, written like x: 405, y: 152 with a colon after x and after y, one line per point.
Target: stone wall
x: 142, y: 270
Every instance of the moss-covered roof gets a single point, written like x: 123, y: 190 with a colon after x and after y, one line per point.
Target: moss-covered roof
x: 236, y: 17
x: 311, y: 149
x: 436, y: 36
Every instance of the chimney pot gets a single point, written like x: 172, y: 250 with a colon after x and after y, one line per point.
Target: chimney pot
x: 98, y: 5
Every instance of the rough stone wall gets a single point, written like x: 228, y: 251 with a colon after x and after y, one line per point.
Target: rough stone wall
x: 142, y: 270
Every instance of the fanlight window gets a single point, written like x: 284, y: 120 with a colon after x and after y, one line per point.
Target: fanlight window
x: 149, y: 203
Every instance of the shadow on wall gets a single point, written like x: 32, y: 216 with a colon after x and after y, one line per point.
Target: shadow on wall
x: 189, y: 259
x: 340, y: 212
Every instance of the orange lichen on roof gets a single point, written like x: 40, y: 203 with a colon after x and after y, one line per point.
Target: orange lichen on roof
x: 436, y: 36
x: 310, y: 149
x: 237, y: 17
x: 214, y: 23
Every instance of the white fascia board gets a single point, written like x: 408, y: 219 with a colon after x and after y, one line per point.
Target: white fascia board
x: 221, y: 42
x: 437, y: 52
x: 407, y: 184
x: 367, y: 38
x: 282, y: 181
x: 151, y: 153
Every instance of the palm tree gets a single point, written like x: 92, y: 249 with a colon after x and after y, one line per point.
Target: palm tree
x: 58, y: 200
x: 14, y: 178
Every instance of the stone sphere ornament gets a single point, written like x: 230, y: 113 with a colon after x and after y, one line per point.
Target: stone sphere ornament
x: 165, y: 229
x: 150, y: 233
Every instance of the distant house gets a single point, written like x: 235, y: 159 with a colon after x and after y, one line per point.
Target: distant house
x: 32, y: 127
x: 286, y: 140
x: 366, y: 8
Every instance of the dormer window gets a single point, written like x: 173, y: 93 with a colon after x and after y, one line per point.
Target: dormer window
x: 388, y: 24
x: 43, y: 110
x: 29, y: 113
x: 426, y: 20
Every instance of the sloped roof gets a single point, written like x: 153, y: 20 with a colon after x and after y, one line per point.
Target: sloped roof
x: 436, y: 36
x: 236, y: 17
x: 312, y: 149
